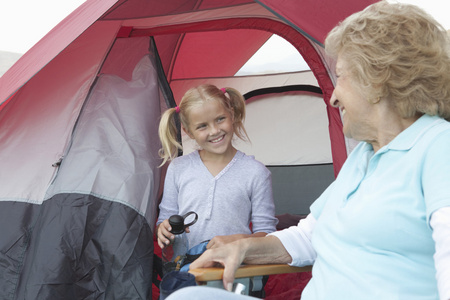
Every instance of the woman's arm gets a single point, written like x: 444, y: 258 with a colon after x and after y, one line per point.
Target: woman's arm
x: 276, y: 248
x: 440, y: 222
x: 265, y: 250
x: 297, y: 241
x: 221, y: 240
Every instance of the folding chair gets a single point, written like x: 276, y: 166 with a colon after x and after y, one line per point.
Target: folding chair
x: 251, y: 276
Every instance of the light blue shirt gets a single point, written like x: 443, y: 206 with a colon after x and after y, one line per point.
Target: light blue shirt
x: 372, y: 236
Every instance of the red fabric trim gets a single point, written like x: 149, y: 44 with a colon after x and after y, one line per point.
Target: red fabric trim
x: 3, y: 105
x: 124, y: 32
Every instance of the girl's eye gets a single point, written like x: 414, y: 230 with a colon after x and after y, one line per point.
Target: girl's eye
x: 201, y: 126
x: 221, y: 119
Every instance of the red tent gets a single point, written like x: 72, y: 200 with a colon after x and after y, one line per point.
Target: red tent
x: 79, y: 173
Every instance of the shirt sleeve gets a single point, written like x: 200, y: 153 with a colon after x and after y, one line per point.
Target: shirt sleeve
x: 263, y: 207
x: 440, y: 222
x: 435, y: 176
x: 169, y: 202
x: 297, y: 241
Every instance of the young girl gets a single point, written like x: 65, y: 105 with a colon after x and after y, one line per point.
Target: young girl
x: 226, y: 188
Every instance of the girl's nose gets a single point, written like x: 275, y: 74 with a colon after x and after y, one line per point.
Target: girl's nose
x: 214, y: 130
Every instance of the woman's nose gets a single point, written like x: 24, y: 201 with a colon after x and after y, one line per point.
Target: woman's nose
x: 334, y: 100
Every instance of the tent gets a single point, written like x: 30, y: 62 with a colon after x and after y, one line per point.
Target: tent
x: 78, y: 129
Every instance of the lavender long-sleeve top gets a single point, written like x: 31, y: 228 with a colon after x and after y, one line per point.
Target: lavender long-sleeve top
x: 226, y: 204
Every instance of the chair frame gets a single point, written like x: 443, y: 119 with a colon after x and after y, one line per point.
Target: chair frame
x: 249, y: 275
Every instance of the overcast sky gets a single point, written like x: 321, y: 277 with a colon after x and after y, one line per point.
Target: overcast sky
x: 24, y: 22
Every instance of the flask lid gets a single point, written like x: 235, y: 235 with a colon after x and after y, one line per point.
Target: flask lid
x: 177, y: 222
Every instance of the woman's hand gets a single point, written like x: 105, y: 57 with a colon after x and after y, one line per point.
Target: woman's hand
x: 258, y: 250
x: 221, y: 240
x: 230, y: 256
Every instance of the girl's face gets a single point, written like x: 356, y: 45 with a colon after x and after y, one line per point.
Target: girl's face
x: 211, y: 125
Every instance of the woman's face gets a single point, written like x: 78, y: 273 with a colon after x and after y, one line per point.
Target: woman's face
x: 358, y: 115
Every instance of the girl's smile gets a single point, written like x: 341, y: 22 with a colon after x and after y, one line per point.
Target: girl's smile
x: 217, y: 139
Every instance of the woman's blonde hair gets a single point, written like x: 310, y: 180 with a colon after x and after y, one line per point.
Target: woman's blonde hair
x: 231, y: 100
x: 399, y: 52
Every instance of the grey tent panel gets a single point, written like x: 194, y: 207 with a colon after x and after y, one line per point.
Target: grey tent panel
x: 296, y: 187
x: 74, y: 246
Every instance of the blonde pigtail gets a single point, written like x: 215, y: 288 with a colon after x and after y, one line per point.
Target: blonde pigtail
x: 168, y: 136
x: 237, y: 103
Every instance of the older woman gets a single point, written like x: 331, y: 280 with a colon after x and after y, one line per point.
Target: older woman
x: 382, y: 229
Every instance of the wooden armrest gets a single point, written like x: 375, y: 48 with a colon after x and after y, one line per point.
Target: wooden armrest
x: 209, y: 274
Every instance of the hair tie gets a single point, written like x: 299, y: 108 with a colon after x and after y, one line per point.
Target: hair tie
x: 224, y: 90
x: 177, y: 109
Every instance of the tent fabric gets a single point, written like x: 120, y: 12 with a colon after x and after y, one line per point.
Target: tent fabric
x: 51, y: 45
x: 74, y: 246
x: 112, y: 151
x: 276, y: 115
x: 246, y: 84
x: 295, y: 188
x: 312, y: 57
x: 315, y: 18
x: 80, y: 182
x: 90, y: 237
x: 219, y: 25
x: 37, y: 126
x: 156, y: 19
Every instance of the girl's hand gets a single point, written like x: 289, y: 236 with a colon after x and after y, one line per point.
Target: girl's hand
x: 165, y: 237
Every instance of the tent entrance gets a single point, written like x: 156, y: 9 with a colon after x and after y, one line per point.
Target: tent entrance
x: 204, y: 51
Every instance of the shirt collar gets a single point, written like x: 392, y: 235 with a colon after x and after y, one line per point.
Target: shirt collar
x: 409, y: 137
